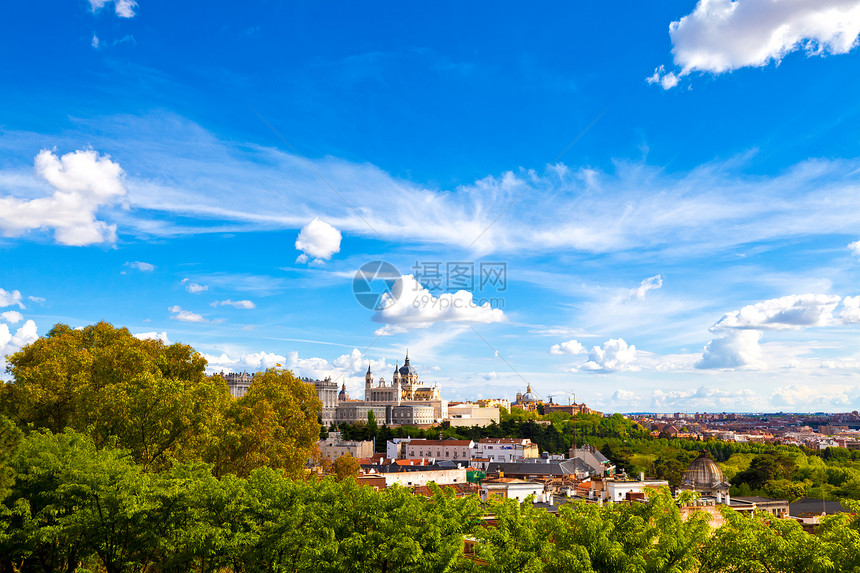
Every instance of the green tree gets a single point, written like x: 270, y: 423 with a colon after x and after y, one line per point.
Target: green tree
x: 273, y: 425
x: 762, y: 544
x: 142, y: 395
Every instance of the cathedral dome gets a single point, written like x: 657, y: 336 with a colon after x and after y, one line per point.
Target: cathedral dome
x: 407, y: 369
x: 530, y: 396
x: 704, y: 472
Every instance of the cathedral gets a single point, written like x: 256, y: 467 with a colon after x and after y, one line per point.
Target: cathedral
x: 403, y: 401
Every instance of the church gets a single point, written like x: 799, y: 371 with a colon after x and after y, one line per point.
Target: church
x: 403, y: 401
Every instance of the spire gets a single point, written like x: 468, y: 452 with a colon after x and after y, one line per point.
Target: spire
x: 368, y: 368
x: 406, y: 362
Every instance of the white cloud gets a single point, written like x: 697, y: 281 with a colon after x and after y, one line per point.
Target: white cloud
x: 704, y: 398
x: 95, y: 42
x: 850, y: 309
x: 185, y: 315
x: 809, y: 398
x: 651, y: 283
x: 614, y: 356
x: 10, y: 298
x: 784, y: 313
x: 854, y: 248
x: 192, y: 287
x: 36, y: 299
x: 569, y: 347
x: 318, y: 240
x: 122, y: 8
x: 632, y: 206
x: 242, y: 304
x: 724, y: 35
x: 141, y: 266
x: 12, y: 316
x: 624, y: 396
x: 125, y: 8
x: 10, y: 343
x: 417, y: 307
x: 735, y: 349
x: 83, y: 182
x: 162, y: 336
x: 347, y: 368
x: 254, y: 361
x: 667, y: 80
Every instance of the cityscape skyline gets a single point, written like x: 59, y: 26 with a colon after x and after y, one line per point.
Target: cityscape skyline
x: 654, y: 208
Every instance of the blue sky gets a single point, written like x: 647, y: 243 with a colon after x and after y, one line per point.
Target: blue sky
x: 673, y: 189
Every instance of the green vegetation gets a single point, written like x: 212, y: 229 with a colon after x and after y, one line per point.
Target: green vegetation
x: 73, y: 506
x: 118, y: 455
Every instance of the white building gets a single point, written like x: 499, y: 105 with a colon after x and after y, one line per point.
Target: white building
x: 506, y: 449
x: 455, y: 450
x: 512, y: 488
x: 469, y: 415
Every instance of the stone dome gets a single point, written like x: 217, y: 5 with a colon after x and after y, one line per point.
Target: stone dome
x: 407, y: 369
x: 704, y: 472
x: 529, y: 396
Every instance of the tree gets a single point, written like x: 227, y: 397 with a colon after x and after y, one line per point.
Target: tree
x: 346, y: 466
x: 760, y: 543
x: 273, y: 425
x: 142, y: 395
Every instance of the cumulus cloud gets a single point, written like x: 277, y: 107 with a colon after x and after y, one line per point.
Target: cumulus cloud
x: 193, y: 287
x: 624, y: 396
x: 784, y: 313
x: 724, y: 35
x: 185, y: 315
x: 83, y: 181
x: 615, y: 355
x: 10, y: 298
x: 734, y: 349
x: 122, y: 8
x: 651, y: 283
x: 10, y: 343
x: 418, y: 308
x: 318, y: 240
x: 348, y: 368
x: 12, y: 316
x: 854, y: 248
x: 141, y: 266
x: 808, y: 397
x: 569, y: 347
x: 162, y: 336
x: 850, y: 309
x: 242, y: 304
x: 703, y: 398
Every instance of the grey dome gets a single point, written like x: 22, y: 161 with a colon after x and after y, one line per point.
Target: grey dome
x: 406, y: 369
x: 704, y: 472
x: 530, y: 396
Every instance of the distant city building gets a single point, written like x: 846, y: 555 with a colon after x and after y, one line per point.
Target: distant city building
x: 594, y: 460
x: 468, y: 415
x: 333, y: 447
x: 495, y: 403
x: 528, y: 401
